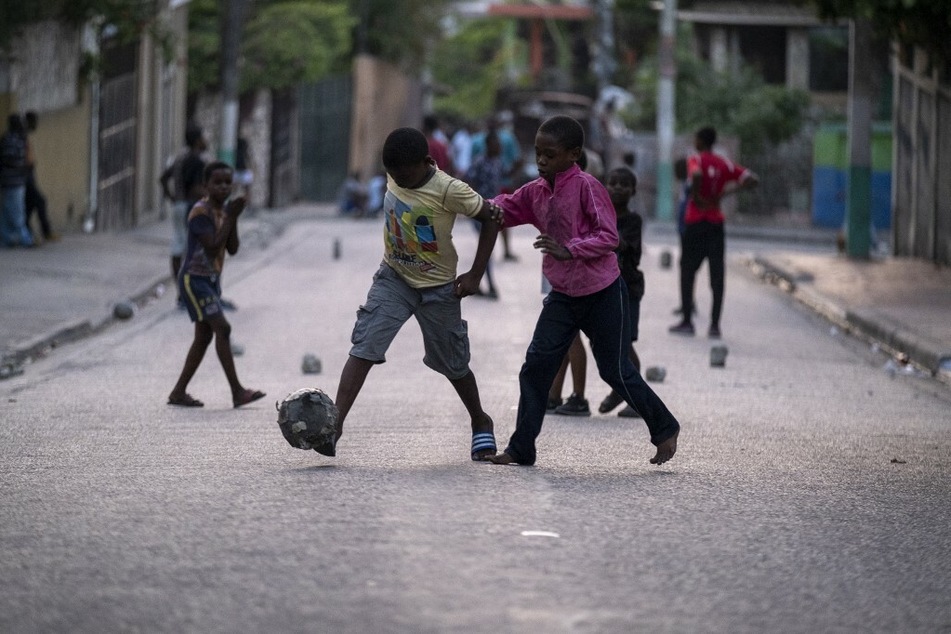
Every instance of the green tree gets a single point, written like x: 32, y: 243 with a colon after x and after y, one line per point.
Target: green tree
x: 287, y: 43
x: 284, y: 43
x: 635, y: 35
x: 468, y: 65
x: 400, y: 32
x: 740, y: 105
x: 130, y: 18
x: 924, y: 23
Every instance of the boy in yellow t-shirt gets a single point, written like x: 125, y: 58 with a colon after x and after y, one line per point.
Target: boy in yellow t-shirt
x: 417, y: 278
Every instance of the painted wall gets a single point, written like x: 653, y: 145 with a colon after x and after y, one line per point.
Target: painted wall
x: 61, y: 150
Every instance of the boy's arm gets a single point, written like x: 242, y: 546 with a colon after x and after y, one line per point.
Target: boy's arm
x: 491, y: 218
x: 746, y: 180
x: 212, y: 241
x: 235, y: 207
x: 517, y: 207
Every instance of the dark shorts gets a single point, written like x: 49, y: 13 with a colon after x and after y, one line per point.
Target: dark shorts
x: 202, y: 295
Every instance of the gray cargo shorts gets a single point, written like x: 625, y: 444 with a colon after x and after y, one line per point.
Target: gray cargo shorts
x: 391, y: 302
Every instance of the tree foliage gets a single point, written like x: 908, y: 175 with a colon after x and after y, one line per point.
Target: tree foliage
x: 400, y: 32
x: 284, y: 43
x: 287, y: 43
x: 740, y: 105
x: 468, y: 66
x: 635, y: 35
x: 924, y: 23
x: 128, y: 18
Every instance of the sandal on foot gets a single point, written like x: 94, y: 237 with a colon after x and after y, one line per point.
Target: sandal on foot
x: 185, y: 401
x: 482, y: 441
x: 248, y: 396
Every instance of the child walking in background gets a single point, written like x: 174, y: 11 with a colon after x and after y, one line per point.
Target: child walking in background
x: 212, y: 230
x: 417, y: 278
x: 622, y: 186
x: 574, y: 214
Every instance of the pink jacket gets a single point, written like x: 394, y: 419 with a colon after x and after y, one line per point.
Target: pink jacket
x: 579, y: 215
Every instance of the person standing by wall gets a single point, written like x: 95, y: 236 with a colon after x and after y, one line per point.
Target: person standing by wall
x: 13, y: 171
x: 182, y: 184
x: 35, y: 200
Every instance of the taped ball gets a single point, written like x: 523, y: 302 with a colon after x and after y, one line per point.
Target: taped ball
x: 308, y: 420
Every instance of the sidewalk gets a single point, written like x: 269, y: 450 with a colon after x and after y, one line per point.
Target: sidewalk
x: 901, y: 304
x: 67, y: 290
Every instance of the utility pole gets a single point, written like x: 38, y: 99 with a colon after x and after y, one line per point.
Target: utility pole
x: 231, y: 23
x: 858, y: 213
x: 666, y: 110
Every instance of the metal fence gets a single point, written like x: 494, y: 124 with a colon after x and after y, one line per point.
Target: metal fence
x: 117, y: 141
x: 325, y: 137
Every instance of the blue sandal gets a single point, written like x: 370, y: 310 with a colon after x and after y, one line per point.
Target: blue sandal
x: 480, y: 442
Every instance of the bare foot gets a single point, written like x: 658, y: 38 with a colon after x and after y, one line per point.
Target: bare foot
x: 666, y: 449
x: 502, y: 458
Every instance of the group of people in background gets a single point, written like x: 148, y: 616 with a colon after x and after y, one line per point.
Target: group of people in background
x: 488, y: 158
x: 21, y: 196
x: 590, y: 238
x: 457, y: 152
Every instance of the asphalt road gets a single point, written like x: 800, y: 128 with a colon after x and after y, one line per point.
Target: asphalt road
x: 809, y: 493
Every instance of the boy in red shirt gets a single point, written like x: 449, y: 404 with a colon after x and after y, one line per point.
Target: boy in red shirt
x: 703, y: 237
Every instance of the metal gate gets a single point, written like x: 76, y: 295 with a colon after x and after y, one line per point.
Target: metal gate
x: 117, y: 135
x: 325, y: 137
x: 284, y: 175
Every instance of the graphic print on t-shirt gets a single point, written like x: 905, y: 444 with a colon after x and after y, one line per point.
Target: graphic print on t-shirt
x: 411, y: 235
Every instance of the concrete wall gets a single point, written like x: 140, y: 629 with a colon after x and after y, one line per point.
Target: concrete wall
x: 45, y: 70
x: 61, y: 148
x: 255, y: 126
x: 383, y: 99
x: 44, y: 77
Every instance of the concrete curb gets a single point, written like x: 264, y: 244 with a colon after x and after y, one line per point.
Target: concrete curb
x: 893, y: 337
x: 37, y: 347
x: 751, y: 232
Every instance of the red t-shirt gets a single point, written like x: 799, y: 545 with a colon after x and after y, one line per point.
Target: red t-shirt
x: 717, y: 172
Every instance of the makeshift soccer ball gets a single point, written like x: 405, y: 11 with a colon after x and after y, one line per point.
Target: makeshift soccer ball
x: 308, y: 420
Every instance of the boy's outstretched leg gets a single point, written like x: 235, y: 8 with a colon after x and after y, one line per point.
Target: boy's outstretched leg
x: 352, y: 377
x: 483, y: 429
x: 178, y: 395
x: 607, y: 325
